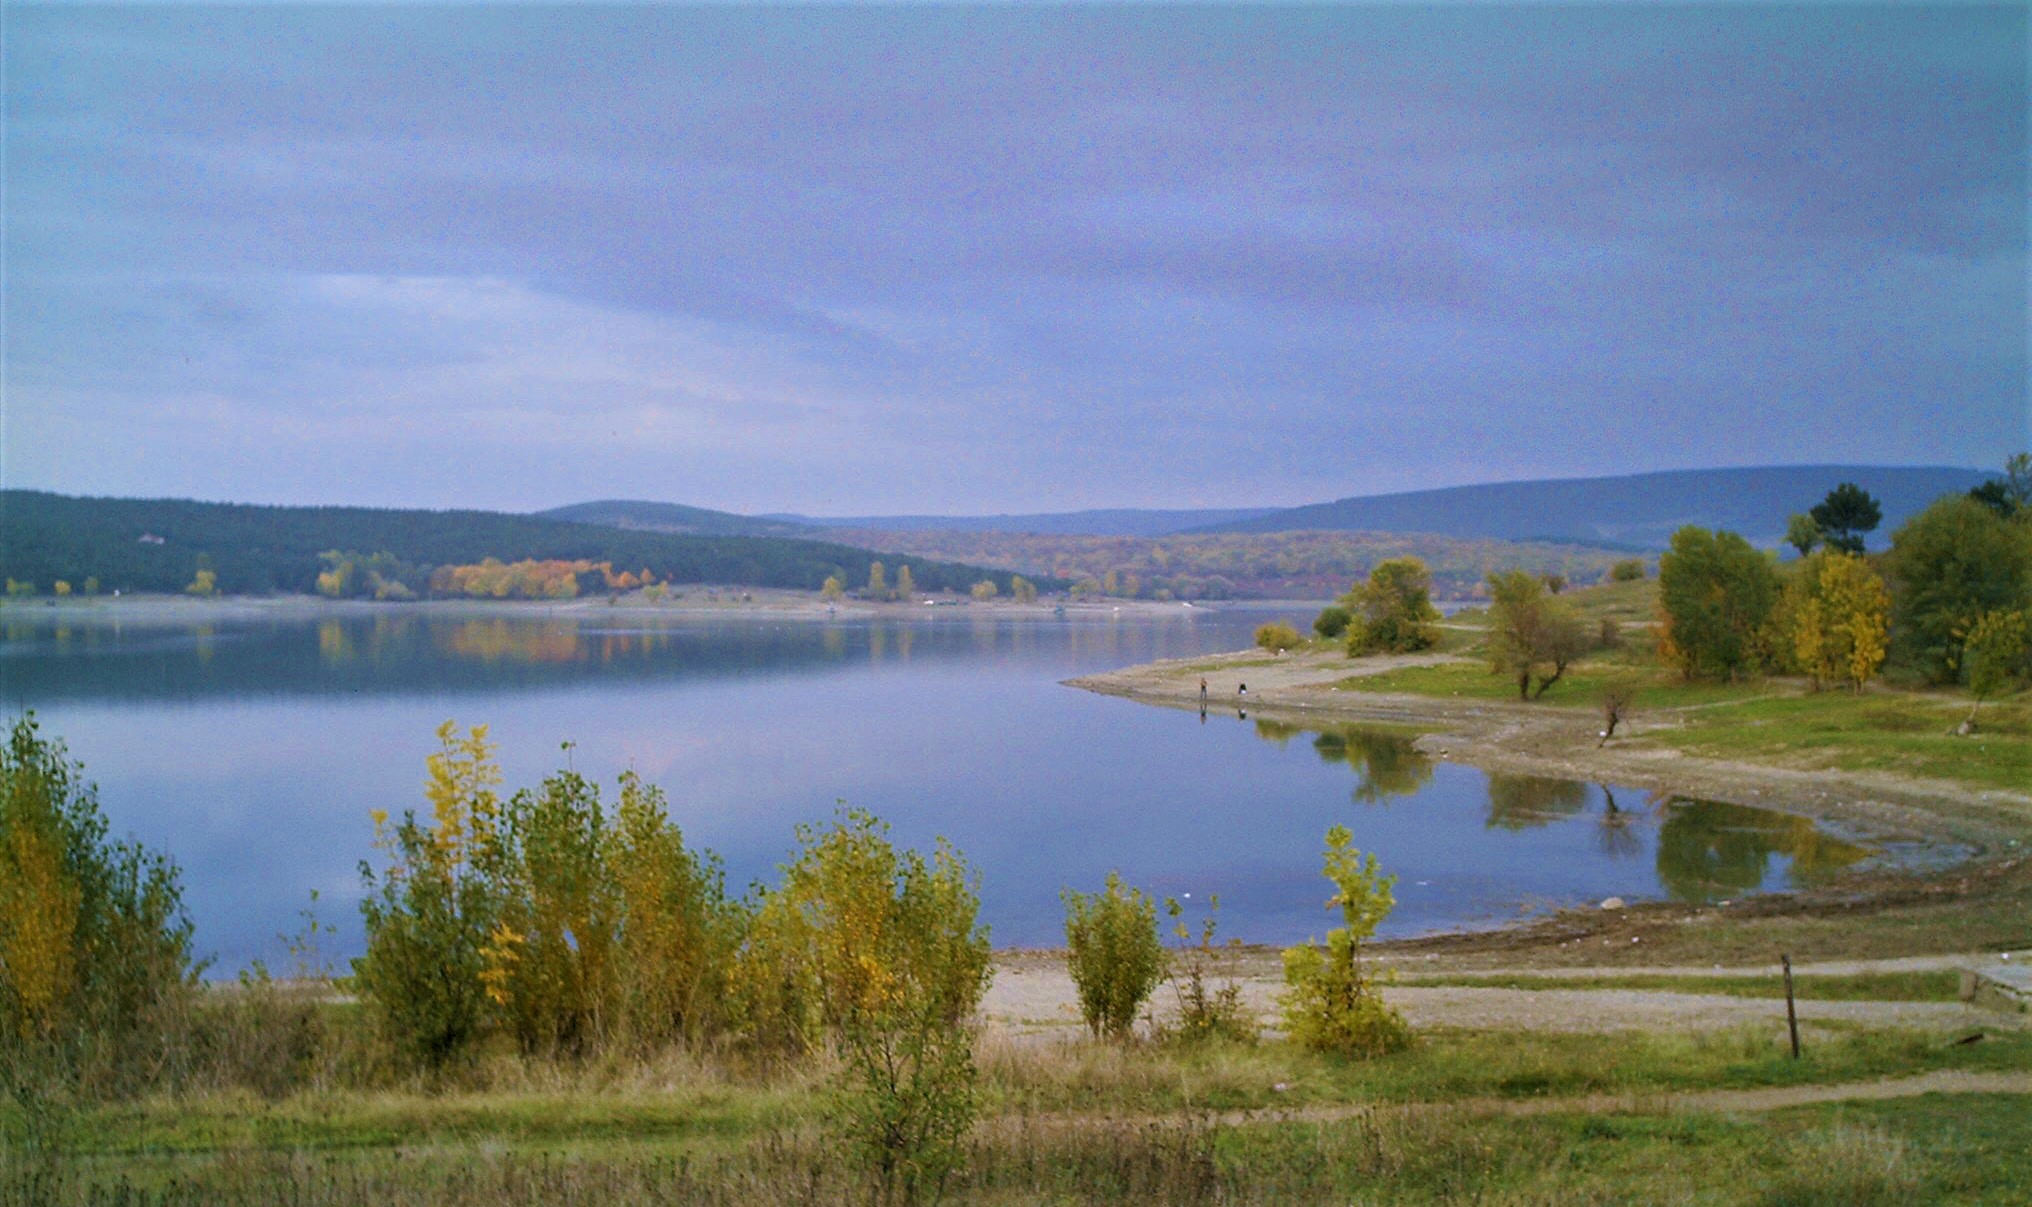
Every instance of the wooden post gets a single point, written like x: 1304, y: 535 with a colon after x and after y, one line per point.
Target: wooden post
x: 1791, y: 1013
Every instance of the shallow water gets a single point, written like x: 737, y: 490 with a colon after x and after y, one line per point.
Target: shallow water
x: 252, y: 748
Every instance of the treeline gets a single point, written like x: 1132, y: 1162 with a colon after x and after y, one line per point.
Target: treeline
x: 1949, y: 602
x: 175, y: 545
x: 1278, y: 565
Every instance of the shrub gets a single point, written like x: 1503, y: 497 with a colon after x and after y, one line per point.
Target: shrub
x: 1205, y: 1013
x: 1277, y: 636
x: 678, y: 930
x: 1329, y: 1003
x: 841, y: 936
x: 1629, y: 570
x: 1113, y: 954
x: 880, y: 953
x: 95, y: 948
x: 433, y: 911
x: 549, y: 959
x: 1332, y: 621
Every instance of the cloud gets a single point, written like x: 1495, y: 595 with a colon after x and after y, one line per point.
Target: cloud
x: 971, y: 259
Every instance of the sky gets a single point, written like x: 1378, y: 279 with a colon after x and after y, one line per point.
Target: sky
x: 969, y: 260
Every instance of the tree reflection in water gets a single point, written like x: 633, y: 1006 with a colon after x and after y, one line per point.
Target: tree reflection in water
x: 1618, y: 832
x: 1522, y: 802
x: 1709, y: 850
x: 1385, y: 764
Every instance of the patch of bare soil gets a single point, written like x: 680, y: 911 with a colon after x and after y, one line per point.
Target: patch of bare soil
x: 1032, y: 999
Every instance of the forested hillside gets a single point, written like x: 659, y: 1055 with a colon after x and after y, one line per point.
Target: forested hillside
x: 1641, y: 510
x: 1287, y: 565
x: 163, y: 544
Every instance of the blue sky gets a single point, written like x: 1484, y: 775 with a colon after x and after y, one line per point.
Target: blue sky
x: 945, y: 259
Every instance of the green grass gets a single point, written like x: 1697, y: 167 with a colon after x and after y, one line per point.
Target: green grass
x: 1962, y: 1148
x: 1904, y: 732
x: 1580, y: 687
x: 1858, y: 987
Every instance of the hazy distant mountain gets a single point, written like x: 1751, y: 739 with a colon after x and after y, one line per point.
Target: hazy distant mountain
x: 1114, y: 522
x: 676, y: 517
x: 1638, y: 511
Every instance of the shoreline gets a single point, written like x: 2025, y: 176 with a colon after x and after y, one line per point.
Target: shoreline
x: 698, y: 602
x: 1561, y: 741
x: 1970, y: 839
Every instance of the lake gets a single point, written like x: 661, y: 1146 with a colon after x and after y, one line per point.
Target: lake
x: 252, y: 747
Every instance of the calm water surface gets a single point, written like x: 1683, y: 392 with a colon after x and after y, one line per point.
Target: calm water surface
x: 253, y: 747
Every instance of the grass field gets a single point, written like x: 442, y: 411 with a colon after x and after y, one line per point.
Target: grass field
x: 1090, y: 1122
x: 1906, y: 732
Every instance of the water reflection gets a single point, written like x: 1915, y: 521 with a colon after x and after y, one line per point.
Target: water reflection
x: 435, y: 651
x: 1708, y: 850
x: 1522, y: 802
x: 1704, y: 850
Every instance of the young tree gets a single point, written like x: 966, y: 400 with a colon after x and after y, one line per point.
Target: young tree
x: 1839, y: 614
x: 1845, y: 516
x: 1716, y: 594
x: 1802, y: 533
x: 1023, y: 590
x: 1532, y: 635
x: 206, y: 584
x: 1329, y: 1004
x: 432, y: 912
x: 1393, y: 610
x: 878, y: 581
x: 832, y: 589
x: 906, y: 583
x: 984, y: 590
x: 1949, y: 565
x: 1629, y: 570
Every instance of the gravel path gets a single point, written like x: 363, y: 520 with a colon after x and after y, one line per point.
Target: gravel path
x: 1036, y: 1001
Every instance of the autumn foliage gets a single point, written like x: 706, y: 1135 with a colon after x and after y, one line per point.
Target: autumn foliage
x: 95, y: 949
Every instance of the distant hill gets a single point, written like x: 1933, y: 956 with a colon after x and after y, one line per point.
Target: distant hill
x: 676, y: 517
x: 1115, y: 522
x: 159, y: 544
x: 1640, y: 511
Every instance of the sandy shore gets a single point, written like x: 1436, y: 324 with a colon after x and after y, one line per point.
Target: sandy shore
x: 1032, y: 1000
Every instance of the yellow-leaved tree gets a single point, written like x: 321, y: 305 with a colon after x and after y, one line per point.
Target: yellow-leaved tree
x: 1840, y: 615
x: 432, y: 913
